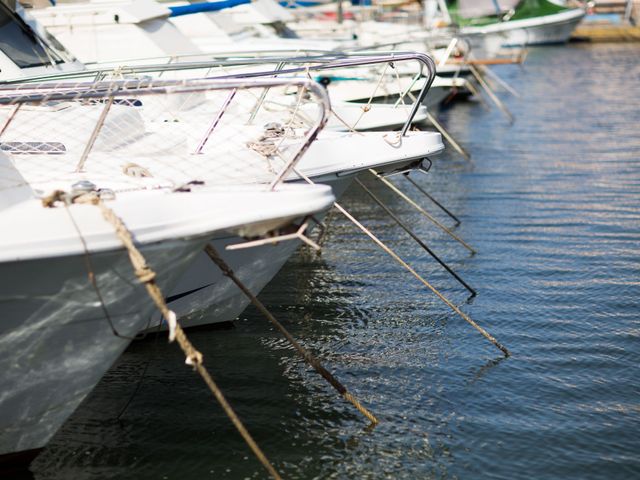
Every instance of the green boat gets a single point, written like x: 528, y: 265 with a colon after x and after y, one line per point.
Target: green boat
x: 491, y: 24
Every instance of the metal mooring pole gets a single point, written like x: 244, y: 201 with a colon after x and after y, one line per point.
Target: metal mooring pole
x: 308, y: 357
x: 446, y: 301
x: 398, y: 259
x: 424, y: 246
x: 423, y: 211
x: 430, y: 197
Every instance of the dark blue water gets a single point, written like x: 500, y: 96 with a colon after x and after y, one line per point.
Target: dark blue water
x: 552, y: 205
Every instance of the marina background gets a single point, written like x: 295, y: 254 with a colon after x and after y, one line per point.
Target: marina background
x: 552, y: 203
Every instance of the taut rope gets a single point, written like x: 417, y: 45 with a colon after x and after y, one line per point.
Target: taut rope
x: 398, y: 259
x: 147, y: 276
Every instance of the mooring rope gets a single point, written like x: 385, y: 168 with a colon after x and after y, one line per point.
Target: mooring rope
x: 422, y: 211
x: 344, y: 122
x: 304, y: 353
x: 408, y: 267
x: 417, y: 239
x: 147, y: 276
x: 367, y: 107
x: 444, y: 299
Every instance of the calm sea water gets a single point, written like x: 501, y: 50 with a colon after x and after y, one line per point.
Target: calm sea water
x: 552, y: 203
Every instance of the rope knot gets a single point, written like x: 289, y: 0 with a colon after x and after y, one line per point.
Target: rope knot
x: 194, y: 359
x: 145, y: 274
x: 56, y: 196
x: 67, y: 198
x: 266, y: 148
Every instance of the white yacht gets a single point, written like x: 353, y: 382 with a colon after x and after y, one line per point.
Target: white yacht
x: 69, y: 297
x: 490, y: 25
x: 334, y: 158
x: 128, y: 32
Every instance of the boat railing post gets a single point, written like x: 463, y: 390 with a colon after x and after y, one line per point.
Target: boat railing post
x: 263, y: 95
x: 95, y: 133
x: 10, y: 118
x: 431, y: 67
x: 215, y: 122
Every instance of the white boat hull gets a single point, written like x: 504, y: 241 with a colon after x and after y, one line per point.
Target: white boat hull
x: 55, y: 342
x: 205, y: 286
x: 204, y: 296
x: 549, y: 29
x: 58, y: 330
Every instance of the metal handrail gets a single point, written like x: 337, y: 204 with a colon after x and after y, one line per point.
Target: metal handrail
x: 363, y: 59
x: 49, y: 92
x: 311, y: 63
x: 236, y: 52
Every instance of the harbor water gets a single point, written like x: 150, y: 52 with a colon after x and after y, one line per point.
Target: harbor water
x: 551, y: 203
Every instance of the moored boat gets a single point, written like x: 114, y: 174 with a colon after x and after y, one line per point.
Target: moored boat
x: 71, y: 299
x: 514, y: 24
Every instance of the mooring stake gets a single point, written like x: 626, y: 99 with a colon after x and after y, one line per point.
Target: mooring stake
x: 305, y: 354
x: 444, y: 299
x: 487, y: 72
x: 474, y: 91
x: 454, y: 143
x: 494, y: 98
x: 422, y: 211
x: 412, y: 234
x: 430, y: 197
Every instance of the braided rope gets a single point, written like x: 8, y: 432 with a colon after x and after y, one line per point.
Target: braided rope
x: 148, y: 277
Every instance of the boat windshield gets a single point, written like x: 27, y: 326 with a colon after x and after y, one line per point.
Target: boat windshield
x: 21, y: 44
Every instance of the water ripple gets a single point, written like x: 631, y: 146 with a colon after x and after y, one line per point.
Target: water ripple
x: 551, y: 203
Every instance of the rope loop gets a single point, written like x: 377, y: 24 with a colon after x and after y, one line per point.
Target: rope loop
x: 68, y: 198
x: 394, y: 142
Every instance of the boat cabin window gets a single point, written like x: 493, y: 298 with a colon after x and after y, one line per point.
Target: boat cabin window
x: 21, y: 44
